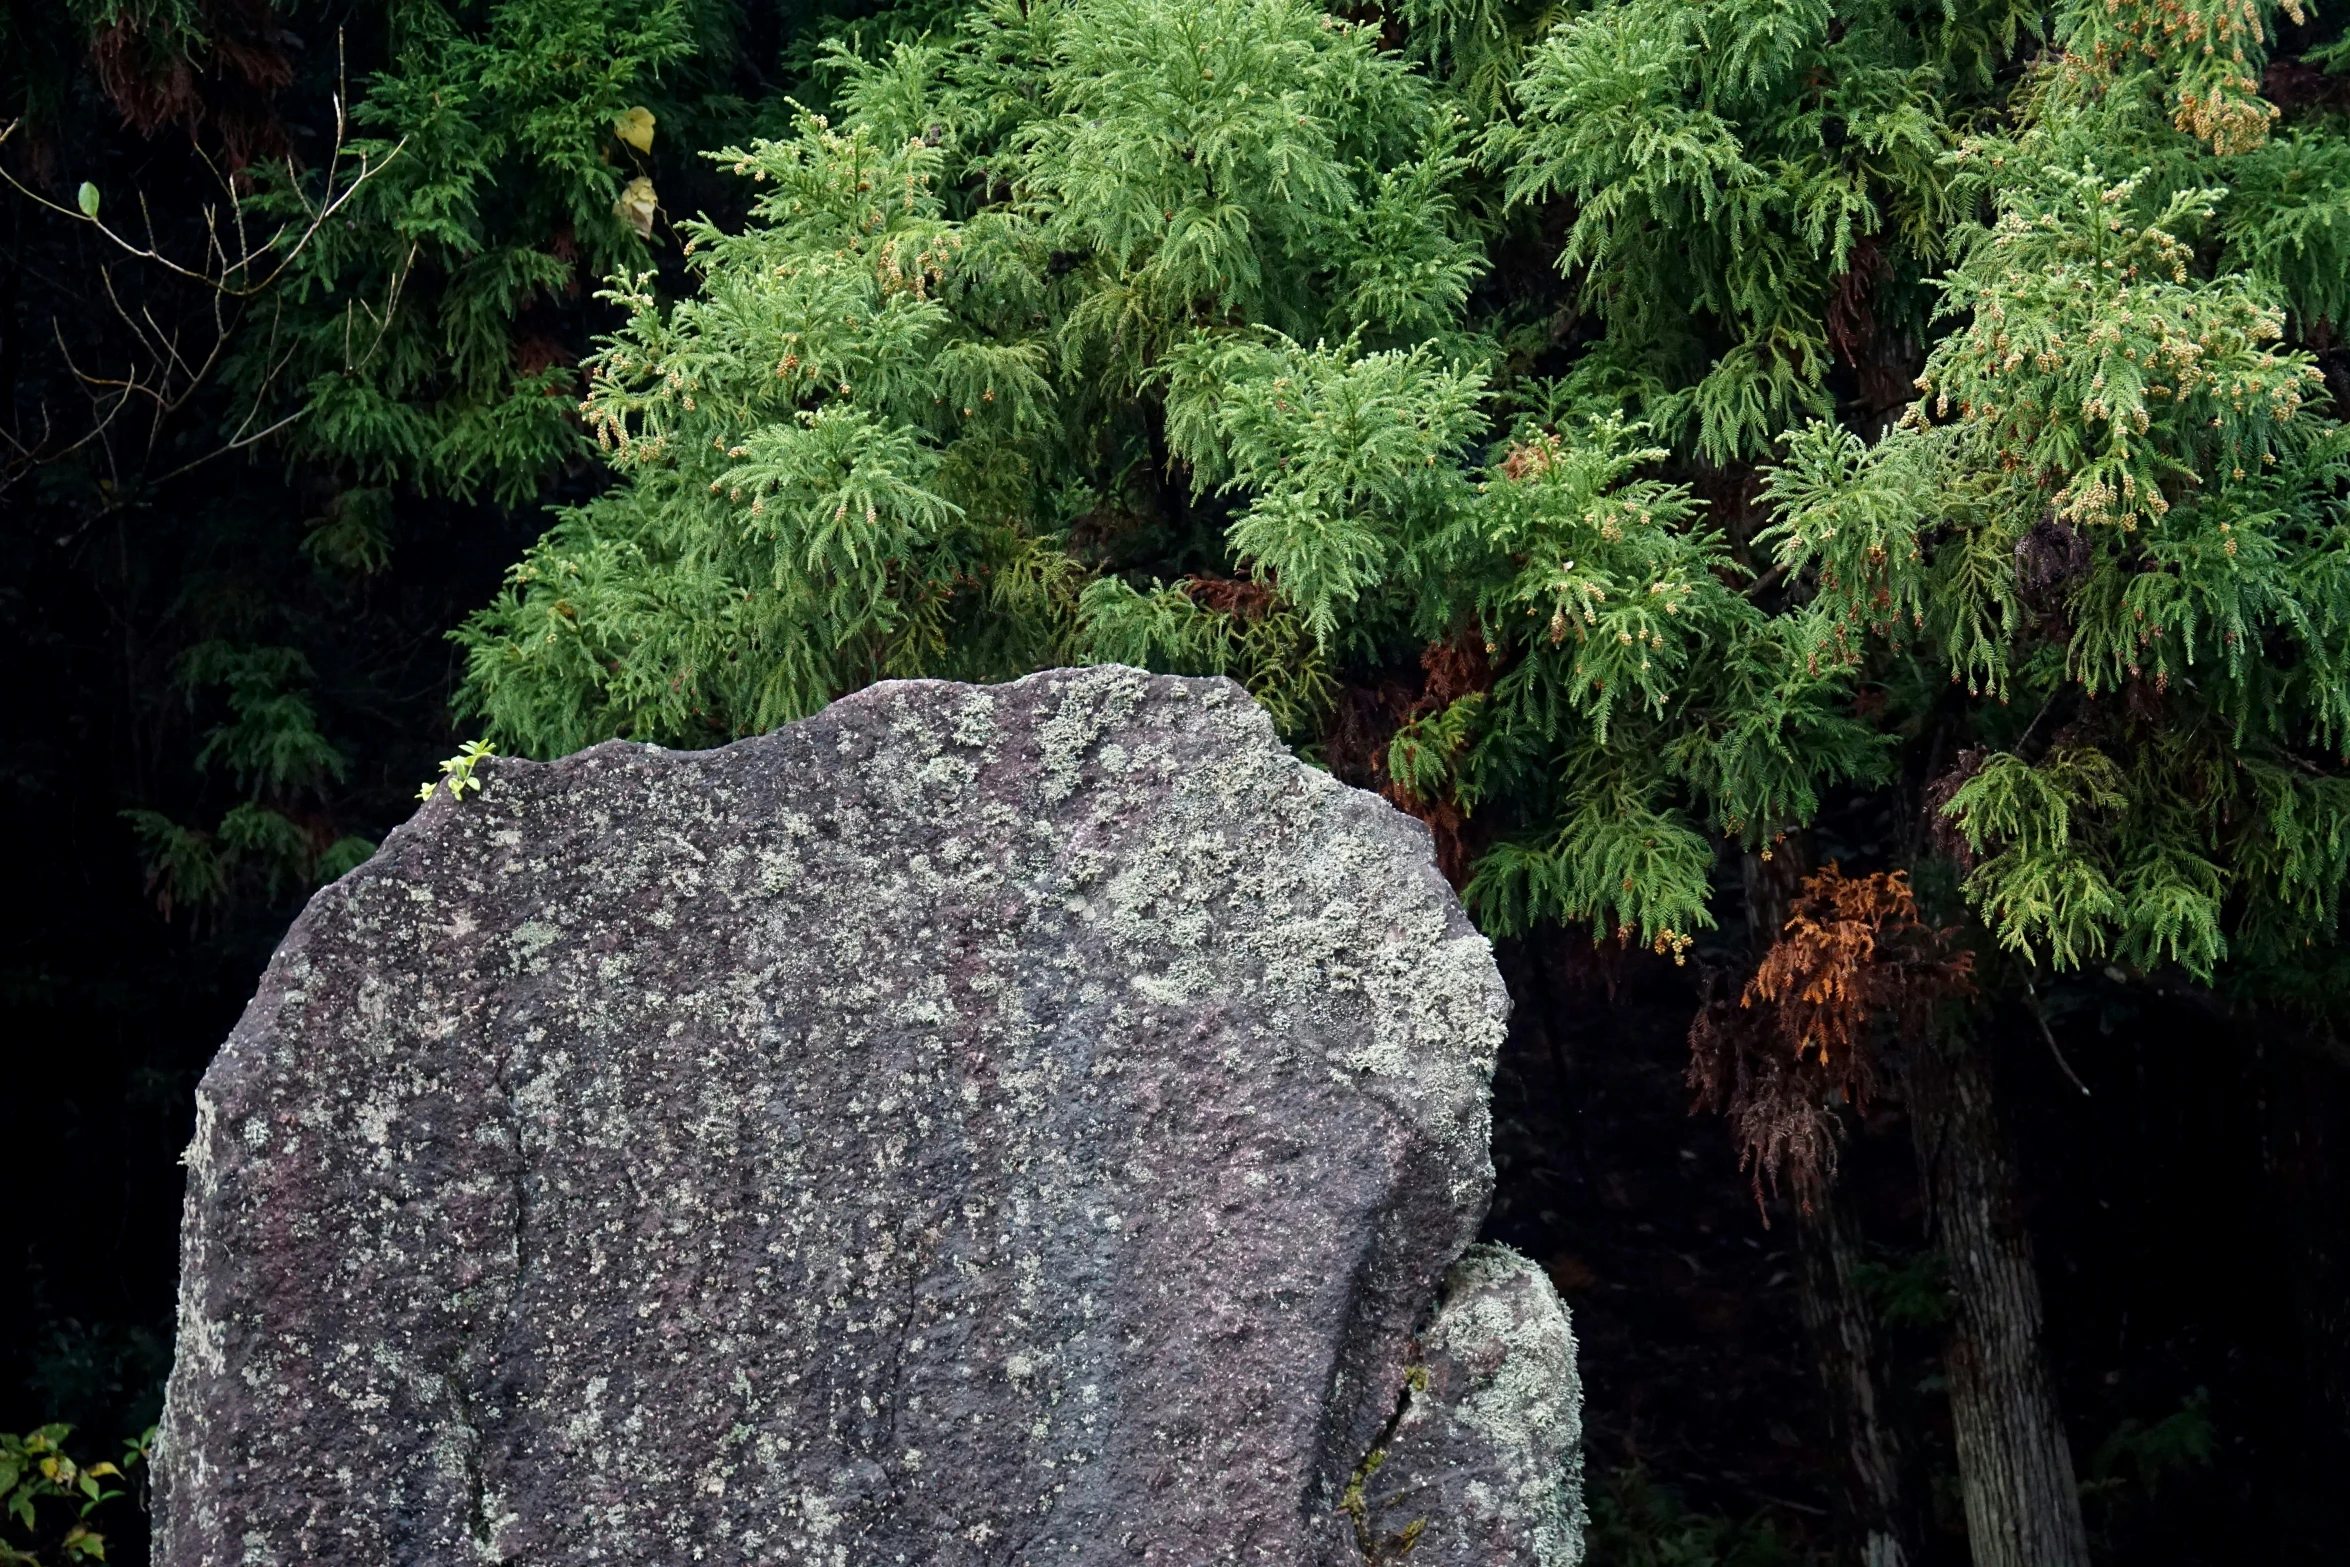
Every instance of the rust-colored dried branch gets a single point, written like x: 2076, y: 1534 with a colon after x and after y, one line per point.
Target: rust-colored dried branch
x: 1852, y: 963
x: 1451, y: 670
x: 1241, y: 597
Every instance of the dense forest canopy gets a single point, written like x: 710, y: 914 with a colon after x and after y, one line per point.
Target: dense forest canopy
x: 1844, y: 496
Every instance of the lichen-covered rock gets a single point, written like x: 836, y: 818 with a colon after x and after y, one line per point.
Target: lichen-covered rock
x: 1484, y: 1463
x: 997, y: 1125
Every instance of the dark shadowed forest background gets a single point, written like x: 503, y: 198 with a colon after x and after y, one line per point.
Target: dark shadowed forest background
x: 307, y: 342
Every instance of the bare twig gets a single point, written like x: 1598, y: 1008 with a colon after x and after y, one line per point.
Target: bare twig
x: 2033, y: 1006
x: 248, y: 254
x: 169, y: 363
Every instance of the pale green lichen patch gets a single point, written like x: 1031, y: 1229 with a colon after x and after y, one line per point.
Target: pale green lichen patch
x: 1486, y: 1451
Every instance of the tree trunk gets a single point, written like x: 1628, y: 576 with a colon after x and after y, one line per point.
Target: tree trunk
x: 1871, y: 1514
x: 2014, y: 1467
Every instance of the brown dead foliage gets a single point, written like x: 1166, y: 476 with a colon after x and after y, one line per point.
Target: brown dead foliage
x: 1365, y: 721
x: 538, y: 352
x: 1449, y: 671
x: 1882, y: 360
x: 1941, y: 831
x: 1096, y: 530
x: 225, y: 78
x: 1241, y: 597
x: 2294, y: 85
x: 1454, y: 670
x: 1530, y: 460
x: 1851, y: 316
x: 1853, y: 963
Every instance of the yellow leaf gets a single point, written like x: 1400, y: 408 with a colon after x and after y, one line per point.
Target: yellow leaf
x: 636, y: 206
x: 636, y: 128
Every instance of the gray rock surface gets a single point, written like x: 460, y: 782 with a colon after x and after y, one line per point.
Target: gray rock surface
x: 1484, y: 1463
x: 1009, y: 1125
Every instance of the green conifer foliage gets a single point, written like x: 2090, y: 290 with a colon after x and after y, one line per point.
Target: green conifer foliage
x: 859, y: 451
x: 501, y: 172
x: 1726, y: 162
x: 869, y: 444
x: 2140, y: 510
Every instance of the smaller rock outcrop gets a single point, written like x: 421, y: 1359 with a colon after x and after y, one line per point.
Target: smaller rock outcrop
x: 1484, y: 1463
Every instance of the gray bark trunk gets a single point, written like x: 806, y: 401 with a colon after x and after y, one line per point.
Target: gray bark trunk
x: 1873, y: 1518
x: 2023, y: 1508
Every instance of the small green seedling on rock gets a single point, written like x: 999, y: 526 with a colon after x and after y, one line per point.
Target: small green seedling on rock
x: 457, y: 771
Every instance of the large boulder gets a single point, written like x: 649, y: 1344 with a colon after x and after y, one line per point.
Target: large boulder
x: 1003, y: 1125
